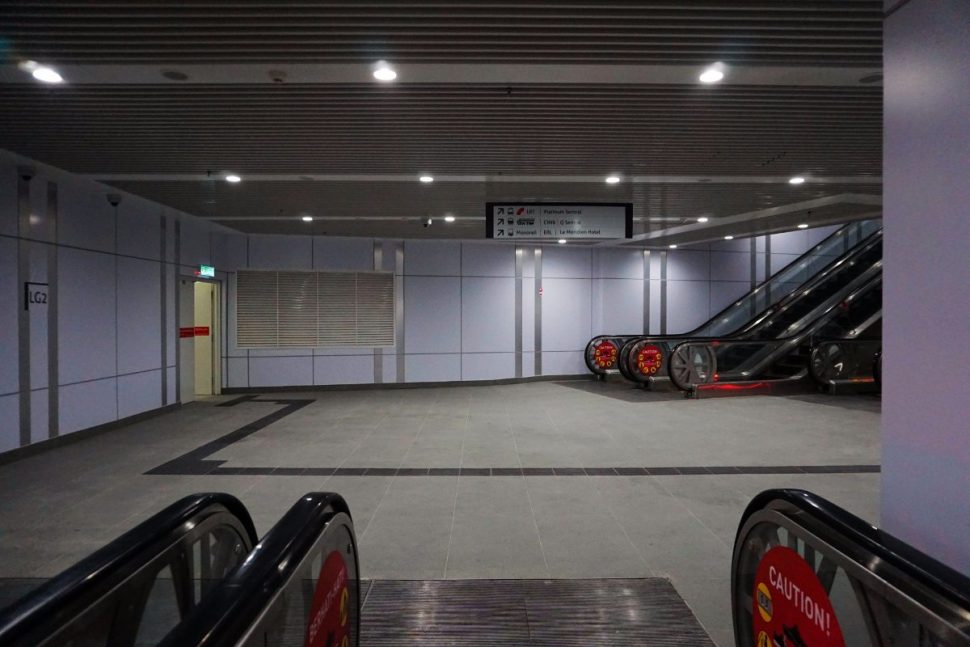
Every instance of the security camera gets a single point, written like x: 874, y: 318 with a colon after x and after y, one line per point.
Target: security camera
x: 27, y: 173
x: 114, y: 199
x: 427, y: 223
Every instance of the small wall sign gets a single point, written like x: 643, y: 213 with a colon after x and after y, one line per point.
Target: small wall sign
x: 35, y: 295
x: 206, y: 272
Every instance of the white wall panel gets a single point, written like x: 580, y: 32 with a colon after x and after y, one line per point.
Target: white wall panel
x: 487, y: 315
x: 563, y: 363
x: 196, y: 242
x: 818, y: 234
x: 482, y: 259
x: 655, y: 307
x: 8, y: 200
x: 139, y: 228
x: 139, y: 315
x: 10, y: 304
x: 731, y: 266
x: 389, y: 367
x: 688, y: 265
x: 228, y: 251
x: 432, y: 314
x: 736, y: 245
x: 237, y: 369
x: 617, y: 263
x: 790, y: 242
x: 85, y: 218
x: 139, y: 393
x: 9, y: 422
x: 487, y: 366
x: 87, y: 404
x: 280, y: 252
x: 724, y: 293
x: 280, y: 371
x: 528, y: 314
x: 39, y: 419
x: 86, y: 315
x: 528, y: 364
x: 563, y: 261
x: 433, y: 368
x: 688, y: 305
x: 566, y: 316
x: 349, y: 369
x: 343, y: 253
x: 432, y: 258
x: 622, y: 306
x: 780, y: 261
x: 327, y: 351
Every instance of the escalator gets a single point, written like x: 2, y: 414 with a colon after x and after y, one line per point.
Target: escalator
x: 784, y: 296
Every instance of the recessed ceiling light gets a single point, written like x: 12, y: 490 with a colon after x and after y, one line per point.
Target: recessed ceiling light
x: 46, y: 74
x: 729, y: 238
x: 233, y: 179
x: 798, y: 179
x: 613, y: 179
x: 427, y: 179
x: 562, y: 241
x: 703, y: 219
x: 803, y: 226
x: 672, y: 246
x: 307, y: 218
x: 449, y: 219
x: 712, y: 74
x: 384, y: 72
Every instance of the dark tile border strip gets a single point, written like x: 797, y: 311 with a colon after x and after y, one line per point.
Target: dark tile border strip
x: 384, y: 386
x: 197, y: 460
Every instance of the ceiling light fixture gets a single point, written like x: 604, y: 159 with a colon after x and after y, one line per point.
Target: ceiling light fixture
x: 803, y: 226
x: 47, y: 75
x: 672, y: 246
x: 384, y: 72
x: 729, y: 238
x: 562, y: 241
x: 233, y: 179
x: 427, y: 179
x: 613, y: 179
x: 307, y: 218
x: 713, y: 74
x: 798, y: 179
x: 703, y: 219
x: 449, y: 219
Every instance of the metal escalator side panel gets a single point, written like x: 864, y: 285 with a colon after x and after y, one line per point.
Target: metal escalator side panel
x: 88, y: 596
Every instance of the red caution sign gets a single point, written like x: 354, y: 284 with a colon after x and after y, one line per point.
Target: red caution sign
x: 187, y: 332
x: 649, y: 359
x: 604, y: 354
x: 791, y: 608
x: 329, y: 623
x: 201, y: 331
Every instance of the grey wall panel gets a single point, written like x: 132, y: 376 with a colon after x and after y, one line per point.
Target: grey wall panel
x: 654, y: 306
x: 172, y: 342
x: 818, y: 234
x: 139, y: 315
x: 87, y: 404
x: 487, y: 315
x: 487, y: 366
x: 8, y: 198
x: 563, y: 363
x: 566, y: 317
x: 343, y: 351
x: 138, y: 227
x: 790, y: 242
x: 237, y: 369
x: 389, y: 368
x: 724, y: 293
x: 731, y: 266
x: 433, y: 368
x: 39, y: 416
x: 280, y: 371
x: 736, y: 245
x: 483, y: 259
x: 280, y: 252
x: 617, y: 263
x: 233, y: 348
x: 350, y: 369
x: 86, y: 330
x: 343, y: 253
x: 779, y: 261
x: 172, y: 392
x: 688, y: 265
x: 622, y: 306
x: 688, y: 305
x: 528, y: 364
x: 228, y: 251
x: 431, y: 257
x: 196, y: 242
x: 563, y: 261
x: 10, y: 302
x: 86, y: 218
x: 432, y: 310
x: 139, y: 393
x: 9, y: 422
x: 528, y: 314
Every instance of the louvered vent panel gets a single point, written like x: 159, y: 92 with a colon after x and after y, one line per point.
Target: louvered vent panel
x: 309, y: 309
x: 337, y: 308
x: 298, y: 309
x: 375, y: 309
x: 256, y: 310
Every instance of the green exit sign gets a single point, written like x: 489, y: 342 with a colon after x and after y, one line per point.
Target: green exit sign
x: 206, y: 272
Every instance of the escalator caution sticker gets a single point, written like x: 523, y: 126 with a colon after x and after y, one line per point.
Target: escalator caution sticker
x: 330, y: 612
x: 791, y: 607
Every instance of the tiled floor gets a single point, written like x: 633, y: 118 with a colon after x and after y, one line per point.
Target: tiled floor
x: 467, y: 482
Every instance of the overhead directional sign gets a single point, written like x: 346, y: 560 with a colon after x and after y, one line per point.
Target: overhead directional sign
x: 558, y: 220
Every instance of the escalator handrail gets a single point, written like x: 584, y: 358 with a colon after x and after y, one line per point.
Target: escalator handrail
x: 56, y: 602
x: 915, y: 565
x: 235, y: 605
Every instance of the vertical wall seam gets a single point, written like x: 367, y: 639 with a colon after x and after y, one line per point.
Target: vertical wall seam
x: 117, y: 301
x: 248, y: 265
x: 163, y: 303
x: 178, y: 310
x: 53, y: 397
x: 379, y: 352
x: 23, y: 315
x: 767, y: 270
x: 537, y: 309
x: 399, y: 311
x: 519, y: 251
x: 663, y: 292
x: 646, y: 292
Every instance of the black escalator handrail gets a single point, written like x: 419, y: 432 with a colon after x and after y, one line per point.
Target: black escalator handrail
x: 55, y: 603
x: 235, y: 605
x: 947, y: 583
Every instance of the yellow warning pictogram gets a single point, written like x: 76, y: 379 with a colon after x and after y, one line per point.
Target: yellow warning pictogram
x: 344, y: 598
x: 763, y: 640
x: 764, y: 602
